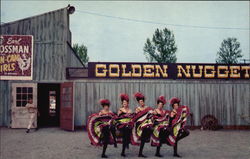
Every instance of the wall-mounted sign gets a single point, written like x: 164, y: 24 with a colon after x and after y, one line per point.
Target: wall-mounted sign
x: 16, y: 57
x: 168, y: 71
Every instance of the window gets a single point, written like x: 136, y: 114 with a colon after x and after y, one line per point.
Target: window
x: 22, y: 95
x: 66, y: 97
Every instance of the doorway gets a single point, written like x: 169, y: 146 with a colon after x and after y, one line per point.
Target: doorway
x: 20, y: 94
x: 48, y: 102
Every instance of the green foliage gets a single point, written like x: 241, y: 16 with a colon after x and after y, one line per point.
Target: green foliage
x: 229, y: 51
x: 82, y: 52
x: 161, y: 48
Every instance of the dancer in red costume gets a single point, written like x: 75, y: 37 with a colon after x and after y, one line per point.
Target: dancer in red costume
x: 160, y: 131
x: 124, y: 123
x: 177, y: 121
x: 100, y: 127
x: 143, y: 123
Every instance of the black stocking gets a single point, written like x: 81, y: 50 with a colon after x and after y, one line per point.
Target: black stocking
x: 128, y: 132
x: 182, y: 133
x: 105, y: 132
x: 158, y: 151
x: 104, y: 150
x: 123, y: 149
x: 112, y: 129
x: 124, y: 141
x: 141, y: 148
x: 175, y: 151
x: 144, y: 137
x: 175, y: 148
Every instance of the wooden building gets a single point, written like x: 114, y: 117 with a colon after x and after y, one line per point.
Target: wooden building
x: 52, y: 55
x: 66, y: 95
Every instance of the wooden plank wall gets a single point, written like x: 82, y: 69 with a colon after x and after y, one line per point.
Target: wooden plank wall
x: 227, y: 100
x: 4, y: 103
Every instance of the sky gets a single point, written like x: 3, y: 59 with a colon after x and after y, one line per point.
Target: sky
x: 110, y: 35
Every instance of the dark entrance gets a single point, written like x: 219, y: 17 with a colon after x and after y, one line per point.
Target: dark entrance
x: 48, y: 103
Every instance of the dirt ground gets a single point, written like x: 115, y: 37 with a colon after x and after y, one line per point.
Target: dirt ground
x: 53, y: 143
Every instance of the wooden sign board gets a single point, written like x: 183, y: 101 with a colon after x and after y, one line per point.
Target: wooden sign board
x: 168, y: 71
x: 16, y: 57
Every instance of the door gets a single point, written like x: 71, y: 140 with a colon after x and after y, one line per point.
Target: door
x: 67, y: 106
x: 20, y: 94
x: 48, y: 104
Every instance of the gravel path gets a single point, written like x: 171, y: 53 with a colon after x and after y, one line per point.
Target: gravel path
x: 53, y: 143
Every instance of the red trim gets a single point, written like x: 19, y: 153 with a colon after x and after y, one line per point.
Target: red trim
x: 141, y: 113
x: 90, y: 127
x: 136, y: 117
x: 237, y: 127
x: 179, y: 112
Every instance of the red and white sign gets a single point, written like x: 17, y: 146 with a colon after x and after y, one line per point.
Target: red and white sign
x: 16, y: 57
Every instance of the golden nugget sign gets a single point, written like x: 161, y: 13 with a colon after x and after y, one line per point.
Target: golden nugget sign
x: 168, y: 71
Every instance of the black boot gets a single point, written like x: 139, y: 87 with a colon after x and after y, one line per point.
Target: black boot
x: 115, y: 144
x: 123, y: 148
x: 104, y: 151
x: 127, y: 134
x: 112, y: 130
x: 175, y: 151
x: 141, y: 149
x: 163, y: 137
x: 123, y: 154
x: 141, y: 155
x: 28, y: 130
x: 158, y: 152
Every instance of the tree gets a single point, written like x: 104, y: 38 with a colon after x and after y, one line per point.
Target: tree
x: 162, y: 48
x: 82, y: 52
x: 229, y: 51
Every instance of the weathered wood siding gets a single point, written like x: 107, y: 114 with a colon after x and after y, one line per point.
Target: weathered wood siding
x: 4, y: 102
x: 225, y: 99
